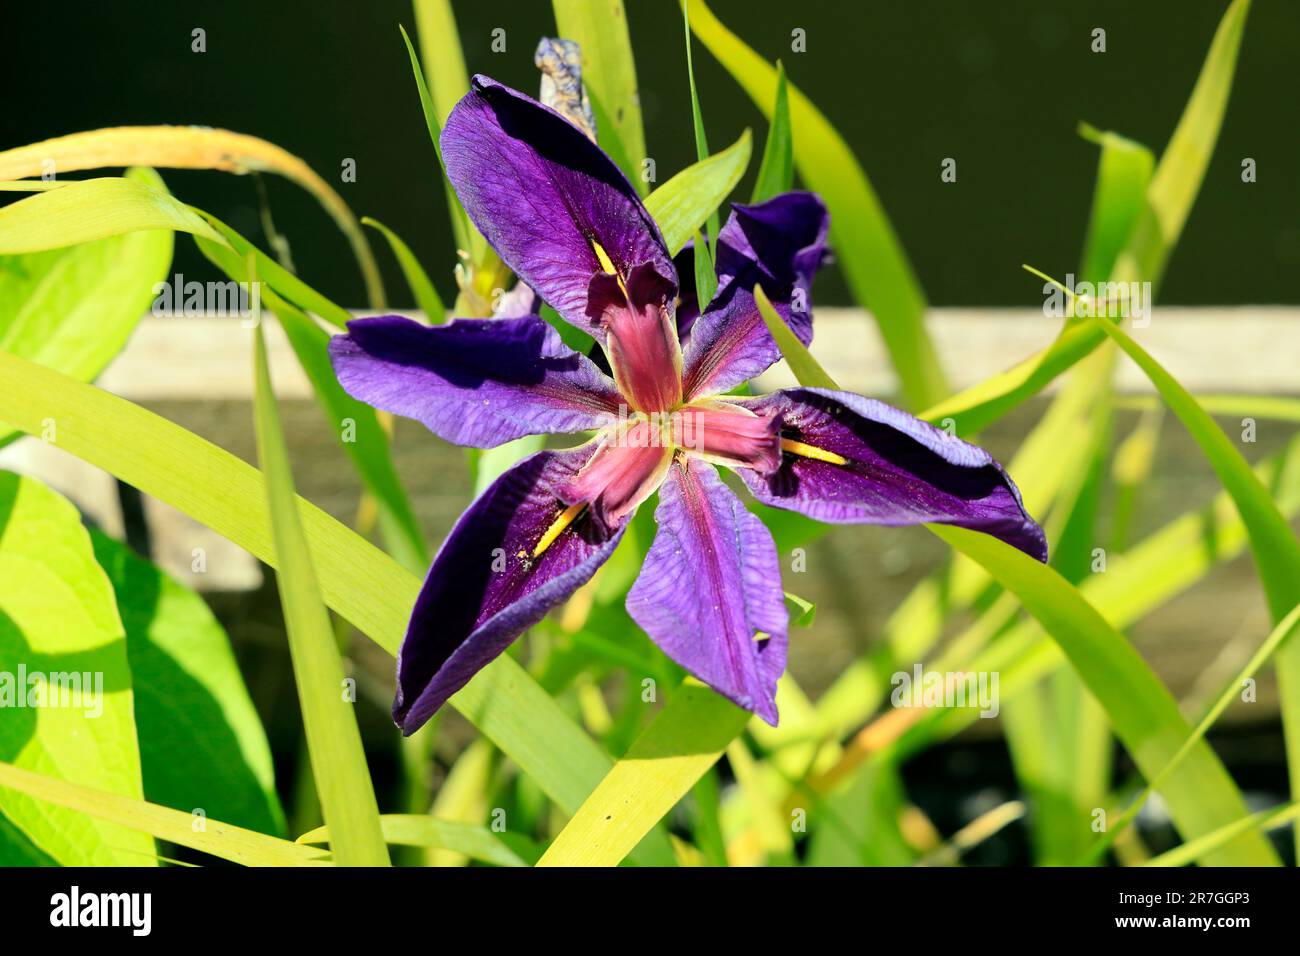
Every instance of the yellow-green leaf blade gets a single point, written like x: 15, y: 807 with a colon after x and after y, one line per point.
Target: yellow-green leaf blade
x: 246, y: 847
x: 89, y: 210
x: 333, y: 738
x: 685, y: 739
x: 66, y: 697
x: 421, y: 830
x: 682, y: 205
x: 806, y: 369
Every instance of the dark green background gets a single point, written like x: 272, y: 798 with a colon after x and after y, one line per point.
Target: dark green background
x: 1000, y: 85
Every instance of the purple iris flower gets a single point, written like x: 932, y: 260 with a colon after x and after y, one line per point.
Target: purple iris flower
x: 568, y: 222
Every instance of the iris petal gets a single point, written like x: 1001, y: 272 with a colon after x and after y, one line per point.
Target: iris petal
x: 546, y: 197
x: 710, y: 594
x: 629, y: 464
x: 641, y: 340
x: 486, y: 585
x: 779, y: 245
x: 895, y: 470
x: 730, y: 434
x: 477, y: 382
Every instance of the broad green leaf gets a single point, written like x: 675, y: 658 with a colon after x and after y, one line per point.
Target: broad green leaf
x: 191, y: 147
x: 776, y: 172
x: 1056, y: 732
x: 685, y: 739
x: 1200, y: 794
x: 805, y: 368
x: 356, y: 424
x: 869, y: 252
x: 17, y: 850
x: 412, y: 829
x: 338, y: 761
x: 609, y: 73
x: 89, y: 210
x: 65, y: 683
x: 491, y: 463
x: 1194, y: 850
x: 357, y: 580
x: 73, y: 308
x: 1274, y: 545
x: 202, y: 746
x: 451, y: 78
x: 426, y: 297
x: 977, y: 407
x: 135, y: 818
x: 681, y: 205
x: 440, y: 50
x: 1169, y: 198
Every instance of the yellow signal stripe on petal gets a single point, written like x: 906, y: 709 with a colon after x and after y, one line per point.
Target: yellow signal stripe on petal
x: 811, y: 451
x: 606, y: 262
x: 566, y: 518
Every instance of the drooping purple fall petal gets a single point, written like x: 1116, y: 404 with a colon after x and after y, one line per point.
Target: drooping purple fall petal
x: 545, y: 197
x: 477, y: 382
x: 778, y: 245
x: 895, y: 470
x: 710, y: 594
x: 487, y: 585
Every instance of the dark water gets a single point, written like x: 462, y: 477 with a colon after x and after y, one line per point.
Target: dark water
x: 999, y: 86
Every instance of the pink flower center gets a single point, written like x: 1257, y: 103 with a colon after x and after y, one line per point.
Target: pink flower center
x: 729, y: 434
x: 628, y: 465
x: 641, y: 336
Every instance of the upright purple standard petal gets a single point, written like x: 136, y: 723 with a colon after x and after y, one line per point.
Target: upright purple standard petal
x: 487, y: 584
x: 852, y: 460
x: 477, y: 382
x: 779, y: 245
x: 545, y: 196
x: 710, y: 594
